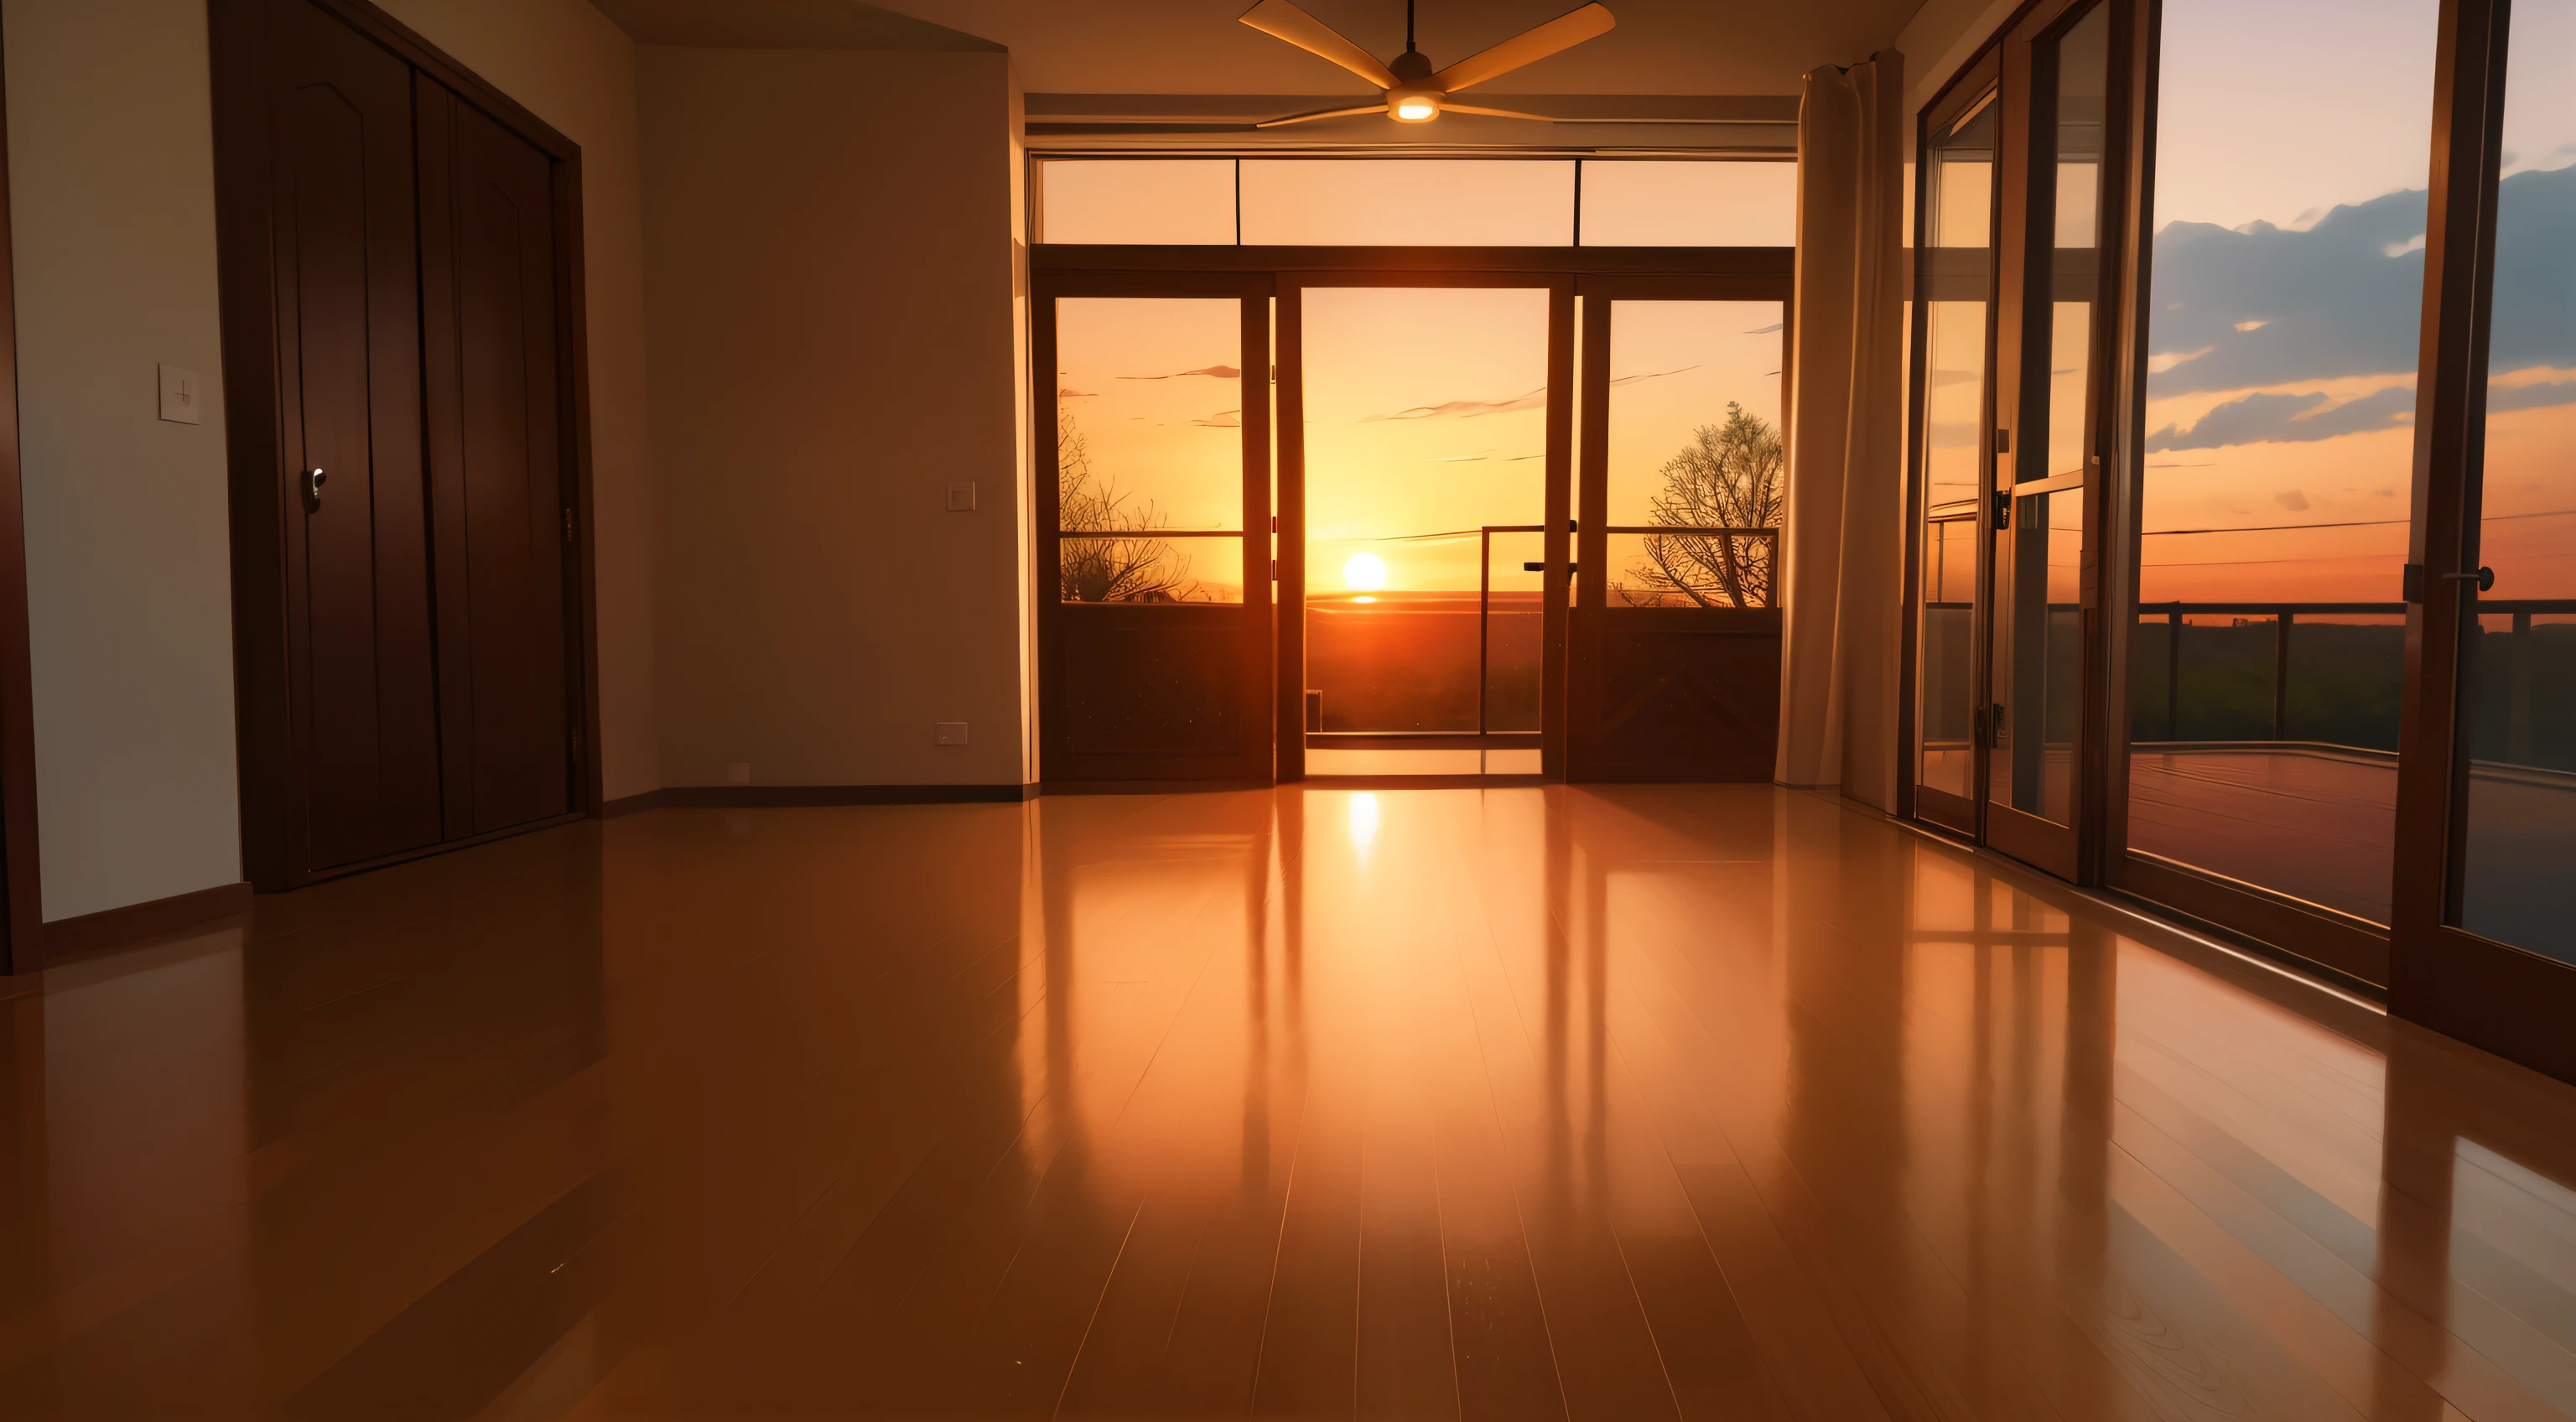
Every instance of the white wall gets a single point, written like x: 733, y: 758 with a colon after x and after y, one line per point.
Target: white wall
x: 829, y: 269
x: 128, y: 550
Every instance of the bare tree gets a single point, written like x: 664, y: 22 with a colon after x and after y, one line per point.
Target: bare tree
x: 1109, y: 569
x: 1728, y: 476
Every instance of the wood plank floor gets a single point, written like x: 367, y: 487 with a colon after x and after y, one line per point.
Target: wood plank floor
x: 1654, y: 1102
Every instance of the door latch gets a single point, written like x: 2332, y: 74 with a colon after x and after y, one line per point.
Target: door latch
x: 313, y: 483
x: 2003, y: 510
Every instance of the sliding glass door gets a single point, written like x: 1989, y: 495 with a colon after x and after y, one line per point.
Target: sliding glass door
x: 1954, y: 334
x: 2486, y: 816
x: 2018, y: 190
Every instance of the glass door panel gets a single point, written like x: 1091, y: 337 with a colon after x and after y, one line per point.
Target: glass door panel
x: 1955, y: 278
x: 2517, y: 707
x: 1153, y: 657
x: 1673, y: 672
x: 2043, y: 475
x: 1426, y: 417
x: 2282, y: 330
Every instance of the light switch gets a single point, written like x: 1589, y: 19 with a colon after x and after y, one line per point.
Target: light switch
x: 182, y: 396
x: 950, y: 733
x: 961, y: 496
x: 737, y: 772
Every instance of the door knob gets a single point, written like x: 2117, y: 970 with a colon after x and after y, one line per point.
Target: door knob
x: 313, y: 483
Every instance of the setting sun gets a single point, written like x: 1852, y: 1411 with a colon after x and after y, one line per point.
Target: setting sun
x: 1365, y: 572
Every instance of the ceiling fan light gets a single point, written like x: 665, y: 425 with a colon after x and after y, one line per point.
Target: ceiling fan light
x: 1416, y: 110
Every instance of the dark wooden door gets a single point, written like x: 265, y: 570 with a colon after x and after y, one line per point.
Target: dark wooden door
x: 1153, y: 557
x: 1673, y: 655
x: 502, y: 515
x: 345, y: 239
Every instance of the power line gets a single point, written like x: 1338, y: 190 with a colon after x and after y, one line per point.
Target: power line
x: 2355, y: 523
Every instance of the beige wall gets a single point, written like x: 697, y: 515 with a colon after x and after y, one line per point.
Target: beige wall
x: 128, y: 554
x: 830, y: 332
x: 576, y: 70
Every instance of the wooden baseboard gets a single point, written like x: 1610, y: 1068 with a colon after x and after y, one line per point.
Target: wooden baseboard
x: 771, y: 797
x: 117, y: 927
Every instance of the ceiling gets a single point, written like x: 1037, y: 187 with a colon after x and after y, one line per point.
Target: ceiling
x: 1678, y: 47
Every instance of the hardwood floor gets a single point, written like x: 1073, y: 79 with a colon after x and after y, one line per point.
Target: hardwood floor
x: 1603, y: 1103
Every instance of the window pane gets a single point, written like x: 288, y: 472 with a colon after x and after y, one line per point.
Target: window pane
x: 1298, y: 202
x: 1173, y: 200
x: 1149, y: 413
x: 2074, y: 266
x: 1126, y: 568
x: 2038, y: 696
x: 2288, y: 281
x: 1949, y: 655
x: 2518, y: 701
x: 1955, y: 284
x: 1643, y: 203
x: 1694, y: 414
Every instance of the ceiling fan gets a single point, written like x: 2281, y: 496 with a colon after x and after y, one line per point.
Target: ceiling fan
x: 1414, y: 93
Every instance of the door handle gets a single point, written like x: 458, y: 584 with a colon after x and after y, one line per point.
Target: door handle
x: 313, y: 483
x: 2483, y: 577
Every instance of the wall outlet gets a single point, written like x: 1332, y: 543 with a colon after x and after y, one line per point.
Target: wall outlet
x: 737, y: 772
x: 961, y: 496
x: 182, y: 396
x: 950, y: 733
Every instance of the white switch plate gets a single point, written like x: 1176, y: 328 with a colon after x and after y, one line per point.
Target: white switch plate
x: 950, y: 733
x: 961, y: 496
x: 182, y: 396
x: 737, y: 772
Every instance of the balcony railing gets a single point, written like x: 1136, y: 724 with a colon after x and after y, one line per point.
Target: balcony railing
x: 2343, y: 688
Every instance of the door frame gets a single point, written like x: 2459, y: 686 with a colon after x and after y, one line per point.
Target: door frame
x: 273, y: 815
x: 1602, y: 294
x: 1555, y: 512
x: 1977, y: 85
x: 22, y: 913
x: 1293, y: 268
x: 1253, y: 292
x: 2496, y: 995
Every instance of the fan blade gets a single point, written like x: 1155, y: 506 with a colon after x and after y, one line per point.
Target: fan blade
x: 1320, y: 114
x: 1493, y: 113
x: 1562, y: 33
x: 1282, y: 20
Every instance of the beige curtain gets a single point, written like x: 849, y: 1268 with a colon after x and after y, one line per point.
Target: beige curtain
x: 1844, y: 592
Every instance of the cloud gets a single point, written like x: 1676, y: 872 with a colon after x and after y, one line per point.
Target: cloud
x: 1467, y: 409
x: 2289, y: 419
x: 1654, y: 375
x: 1771, y: 330
x: 1223, y: 420
x: 2294, y: 500
x: 2270, y: 305
x: 1067, y: 392
x: 1221, y: 372
x: 2531, y: 397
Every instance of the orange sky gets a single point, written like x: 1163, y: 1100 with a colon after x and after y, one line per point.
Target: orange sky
x: 1426, y: 414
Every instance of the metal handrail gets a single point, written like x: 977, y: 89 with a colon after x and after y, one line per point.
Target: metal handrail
x: 2285, y: 616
